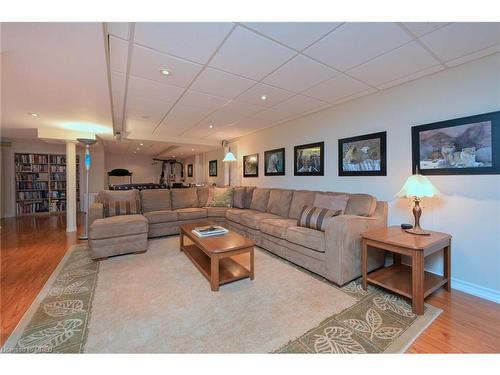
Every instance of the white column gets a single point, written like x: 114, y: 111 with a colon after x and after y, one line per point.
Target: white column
x: 70, y: 186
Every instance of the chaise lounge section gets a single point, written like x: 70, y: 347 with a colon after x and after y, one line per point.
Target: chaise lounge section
x: 268, y: 216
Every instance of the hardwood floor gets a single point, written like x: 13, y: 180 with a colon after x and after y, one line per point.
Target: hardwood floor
x: 31, y: 248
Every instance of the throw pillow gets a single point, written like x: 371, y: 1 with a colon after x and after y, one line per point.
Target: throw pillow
x: 122, y: 208
x: 239, y: 196
x: 331, y: 202
x: 314, y: 217
x: 220, y: 197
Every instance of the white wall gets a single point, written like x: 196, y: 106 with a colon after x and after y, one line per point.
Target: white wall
x: 469, y: 207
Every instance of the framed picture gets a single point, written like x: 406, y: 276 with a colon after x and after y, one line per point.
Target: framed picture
x: 364, y: 155
x: 467, y: 145
x: 212, y: 168
x: 274, y: 162
x: 190, y: 170
x: 309, y: 159
x: 251, y: 165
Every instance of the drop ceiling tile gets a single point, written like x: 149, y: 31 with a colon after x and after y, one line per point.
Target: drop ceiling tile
x: 355, y: 43
x: 399, y: 63
x: 195, y: 41
x: 297, y: 35
x: 411, y: 77
x: 143, y: 109
x: 269, y: 116
x: 119, y: 29
x: 300, y: 104
x: 118, y: 54
x: 422, y: 28
x: 274, y: 95
x: 336, y: 88
x: 474, y: 56
x: 149, y: 89
x: 299, y: 74
x: 118, y: 81
x: 216, y: 82
x: 242, y: 108
x: 220, y: 119
x: 196, y: 98
x: 181, y: 118
x: 118, y: 101
x: 250, y: 55
x: 462, y: 38
x: 147, y: 63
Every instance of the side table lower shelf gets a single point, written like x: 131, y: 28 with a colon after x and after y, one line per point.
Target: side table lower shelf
x: 398, y: 278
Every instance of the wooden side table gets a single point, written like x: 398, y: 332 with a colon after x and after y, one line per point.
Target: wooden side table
x: 412, y: 282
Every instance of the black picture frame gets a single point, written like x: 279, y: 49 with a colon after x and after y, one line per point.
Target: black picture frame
x: 475, y: 143
x: 212, y: 168
x: 370, y: 160
x: 280, y: 169
x: 190, y: 170
x: 251, y: 160
x: 297, y: 164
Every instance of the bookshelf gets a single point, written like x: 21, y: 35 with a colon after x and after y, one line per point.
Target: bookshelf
x: 41, y: 183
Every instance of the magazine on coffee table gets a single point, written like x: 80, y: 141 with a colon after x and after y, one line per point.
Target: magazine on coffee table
x: 209, y: 230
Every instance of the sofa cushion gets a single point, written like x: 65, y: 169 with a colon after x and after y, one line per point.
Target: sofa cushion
x: 163, y: 216
x: 361, y: 205
x: 277, y: 227
x: 248, y: 195
x: 220, y: 197
x: 155, y: 200
x: 331, y: 201
x: 316, y: 217
x: 216, y: 211
x: 116, y: 226
x: 260, y: 198
x: 300, y: 199
x: 279, y: 202
x: 310, y: 238
x: 202, y: 192
x: 191, y: 213
x: 117, y: 195
x: 234, y: 214
x: 184, y: 198
x: 118, y: 208
x: 253, y: 219
x: 239, y: 196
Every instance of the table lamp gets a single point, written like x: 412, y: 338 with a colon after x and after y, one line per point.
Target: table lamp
x: 228, y: 158
x: 417, y: 187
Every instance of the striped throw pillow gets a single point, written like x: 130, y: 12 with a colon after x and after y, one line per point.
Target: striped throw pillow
x: 314, y: 217
x: 122, y: 208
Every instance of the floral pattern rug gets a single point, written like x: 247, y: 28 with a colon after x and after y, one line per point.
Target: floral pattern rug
x: 378, y: 322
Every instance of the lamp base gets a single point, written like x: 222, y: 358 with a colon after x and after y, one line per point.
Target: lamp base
x: 418, y: 231
x: 83, y: 237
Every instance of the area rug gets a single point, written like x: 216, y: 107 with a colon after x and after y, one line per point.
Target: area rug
x: 158, y: 302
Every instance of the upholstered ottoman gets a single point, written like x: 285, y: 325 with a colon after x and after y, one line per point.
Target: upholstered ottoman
x: 117, y: 235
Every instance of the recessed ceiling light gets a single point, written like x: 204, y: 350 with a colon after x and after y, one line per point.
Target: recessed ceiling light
x: 142, y: 144
x: 263, y: 97
x: 192, y: 149
x: 33, y: 114
x: 135, y: 152
x: 137, y: 148
x: 165, y: 72
x: 210, y: 126
x: 173, y: 156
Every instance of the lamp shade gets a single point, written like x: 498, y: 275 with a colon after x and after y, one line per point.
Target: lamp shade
x: 229, y: 157
x: 417, y: 186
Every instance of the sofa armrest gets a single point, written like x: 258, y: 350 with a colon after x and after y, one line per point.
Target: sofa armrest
x: 343, y: 246
x: 96, y: 211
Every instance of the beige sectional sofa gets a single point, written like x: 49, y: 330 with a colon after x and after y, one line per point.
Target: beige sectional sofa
x: 269, y: 217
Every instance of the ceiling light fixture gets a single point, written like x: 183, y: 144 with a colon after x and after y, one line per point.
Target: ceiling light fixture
x: 142, y: 144
x: 263, y: 97
x: 192, y: 149
x: 165, y: 72
x: 33, y: 114
x: 211, y: 126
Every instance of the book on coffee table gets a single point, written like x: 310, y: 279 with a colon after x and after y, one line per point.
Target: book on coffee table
x: 209, y: 230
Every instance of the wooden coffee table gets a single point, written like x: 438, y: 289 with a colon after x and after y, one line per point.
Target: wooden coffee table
x: 212, y: 255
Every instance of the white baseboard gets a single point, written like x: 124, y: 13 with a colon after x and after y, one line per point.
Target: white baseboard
x: 476, y: 290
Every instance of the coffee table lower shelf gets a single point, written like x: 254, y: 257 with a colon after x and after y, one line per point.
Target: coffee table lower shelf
x: 398, y: 278
x: 229, y: 269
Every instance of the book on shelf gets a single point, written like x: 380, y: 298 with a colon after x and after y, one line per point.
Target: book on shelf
x: 209, y: 230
